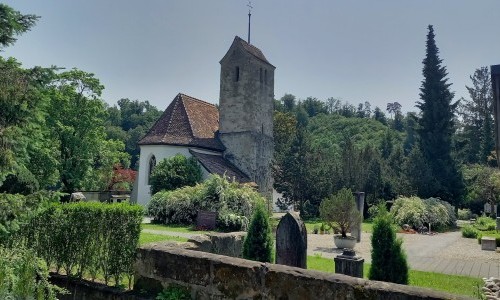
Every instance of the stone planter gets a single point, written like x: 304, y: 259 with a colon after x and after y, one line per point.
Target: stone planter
x: 347, y: 242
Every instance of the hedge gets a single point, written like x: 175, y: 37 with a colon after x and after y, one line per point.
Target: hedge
x: 86, y: 238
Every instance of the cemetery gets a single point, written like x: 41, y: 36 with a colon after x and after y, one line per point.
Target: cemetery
x: 251, y: 198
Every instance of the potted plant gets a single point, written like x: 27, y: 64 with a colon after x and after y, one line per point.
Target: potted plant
x: 340, y: 209
x: 322, y: 228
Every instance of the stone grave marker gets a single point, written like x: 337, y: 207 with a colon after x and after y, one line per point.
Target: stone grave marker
x: 205, y: 220
x: 291, y: 241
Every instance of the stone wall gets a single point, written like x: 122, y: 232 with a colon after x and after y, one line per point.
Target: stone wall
x: 211, y: 276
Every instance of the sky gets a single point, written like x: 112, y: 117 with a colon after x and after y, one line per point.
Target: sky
x: 356, y: 51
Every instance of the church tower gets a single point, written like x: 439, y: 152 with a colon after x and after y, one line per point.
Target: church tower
x: 246, y: 112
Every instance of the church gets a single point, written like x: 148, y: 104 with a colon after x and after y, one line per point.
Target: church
x: 235, y: 139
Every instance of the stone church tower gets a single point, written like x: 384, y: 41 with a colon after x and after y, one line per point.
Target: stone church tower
x: 246, y: 112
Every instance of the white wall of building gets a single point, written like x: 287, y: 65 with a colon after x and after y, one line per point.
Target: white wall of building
x: 160, y: 152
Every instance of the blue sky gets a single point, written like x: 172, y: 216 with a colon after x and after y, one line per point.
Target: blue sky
x: 353, y: 50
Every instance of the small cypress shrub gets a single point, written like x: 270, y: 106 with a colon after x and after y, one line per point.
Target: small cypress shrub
x: 388, y: 258
x: 258, y: 244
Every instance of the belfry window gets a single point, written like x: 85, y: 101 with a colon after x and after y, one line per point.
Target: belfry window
x: 237, y: 74
x: 265, y: 76
x: 152, y: 165
x: 261, y: 77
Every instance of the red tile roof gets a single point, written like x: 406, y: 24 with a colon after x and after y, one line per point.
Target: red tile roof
x: 216, y: 164
x: 187, y: 121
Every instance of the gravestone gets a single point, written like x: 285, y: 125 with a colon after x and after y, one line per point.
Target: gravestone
x: 206, y: 220
x: 360, y: 205
x: 291, y: 241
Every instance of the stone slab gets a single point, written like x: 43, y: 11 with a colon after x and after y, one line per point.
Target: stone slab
x: 488, y: 243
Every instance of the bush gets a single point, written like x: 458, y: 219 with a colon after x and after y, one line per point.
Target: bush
x: 233, y: 202
x: 417, y: 212
x: 86, y: 238
x: 24, y: 276
x: 388, y: 259
x: 175, y: 172
x: 464, y: 214
x: 258, y: 243
x: 485, y: 224
x: 174, y: 292
x: 469, y: 232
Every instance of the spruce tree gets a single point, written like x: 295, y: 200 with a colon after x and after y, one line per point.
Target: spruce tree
x: 388, y: 259
x: 436, y: 125
x: 258, y: 243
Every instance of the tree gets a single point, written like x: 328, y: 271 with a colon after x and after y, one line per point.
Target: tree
x: 175, y: 172
x: 436, y: 125
x: 340, y: 209
x: 288, y: 101
x: 388, y: 258
x: 258, y: 243
x: 476, y: 138
x: 379, y: 115
x: 13, y: 23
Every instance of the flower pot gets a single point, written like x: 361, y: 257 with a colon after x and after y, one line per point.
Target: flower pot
x: 347, y: 242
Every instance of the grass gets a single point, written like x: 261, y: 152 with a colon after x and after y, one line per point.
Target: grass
x: 150, y: 238
x: 365, y: 226
x: 462, y: 285
x: 173, y: 228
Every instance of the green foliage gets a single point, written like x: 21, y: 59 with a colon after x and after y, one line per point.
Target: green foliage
x: 485, y: 224
x: 24, y: 276
x: 258, y: 244
x: 417, y: 212
x: 470, y: 232
x: 174, y: 292
x: 175, y: 172
x: 483, y: 185
x: 340, y: 209
x: 464, y: 214
x: 13, y: 23
x: 388, y: 258
x: 86, y: 238
x: 437, y: 126
x: 233, y: 202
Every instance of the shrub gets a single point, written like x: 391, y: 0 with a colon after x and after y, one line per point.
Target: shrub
x: 175, y: 172
x: 417, y: 212
x: 174, y: 292
x: 86, y: 238
x: 340, y: 209
x: 464, y: 214
x: 388, y: 258
x: 469, y: 232
x: 24, y: 276
x: 485, y: 224
x: 233, y: 202
x: 258, y: 243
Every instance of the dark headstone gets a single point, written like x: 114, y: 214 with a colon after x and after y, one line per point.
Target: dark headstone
x: 348, y: 263
x: 360, y: 204
x: 291, y: 242
x: 206, y: 220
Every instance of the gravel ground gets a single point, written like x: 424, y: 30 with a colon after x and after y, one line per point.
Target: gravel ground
x: 448, y: 245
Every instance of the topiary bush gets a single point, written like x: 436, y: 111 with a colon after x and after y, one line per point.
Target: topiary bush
x: 175, y: 172
x: 340, y: 209
x: 388, y: 258
x: 258, y: 243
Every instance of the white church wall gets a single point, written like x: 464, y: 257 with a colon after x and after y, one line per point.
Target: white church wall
x: 160, y: 152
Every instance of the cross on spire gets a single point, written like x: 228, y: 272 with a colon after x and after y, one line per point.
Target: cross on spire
x: 249, y: 16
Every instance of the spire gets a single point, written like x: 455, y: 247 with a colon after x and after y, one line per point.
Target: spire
x: 249, y: 16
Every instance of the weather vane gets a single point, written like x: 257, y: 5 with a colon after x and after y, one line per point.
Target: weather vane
x: 249, y: 16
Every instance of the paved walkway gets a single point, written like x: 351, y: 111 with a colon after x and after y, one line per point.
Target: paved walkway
x: 446, y: 253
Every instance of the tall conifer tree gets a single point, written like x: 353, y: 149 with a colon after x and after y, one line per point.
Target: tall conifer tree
x: 436, y: 126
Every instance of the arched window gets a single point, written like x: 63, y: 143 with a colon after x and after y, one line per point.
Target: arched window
x: 152, y: 165
x: 261, y: 79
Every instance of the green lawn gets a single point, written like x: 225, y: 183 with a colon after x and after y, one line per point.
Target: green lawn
x: 173, y: 228
x: 462, y: 285
x: 149, y: 238
x: 365, y: 227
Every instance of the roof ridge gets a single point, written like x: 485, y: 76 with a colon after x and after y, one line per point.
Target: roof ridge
x: 196, y: 99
